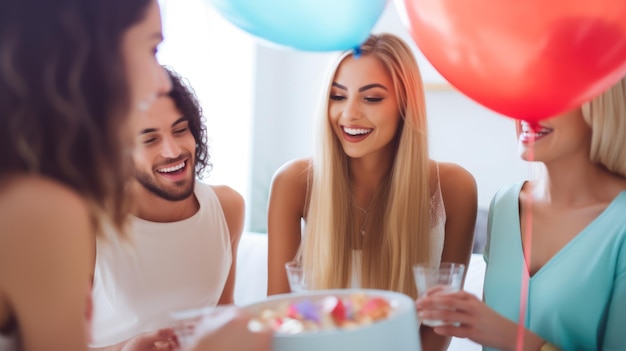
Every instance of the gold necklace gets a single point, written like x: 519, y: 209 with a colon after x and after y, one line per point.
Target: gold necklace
x: 366, y: 213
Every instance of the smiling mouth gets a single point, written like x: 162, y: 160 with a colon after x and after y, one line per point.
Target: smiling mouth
x: 356, y: 132
x: 178, y: 168
x: 535, y: 132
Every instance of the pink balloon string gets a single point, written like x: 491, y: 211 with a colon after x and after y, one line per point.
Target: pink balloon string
x: 526, y: 248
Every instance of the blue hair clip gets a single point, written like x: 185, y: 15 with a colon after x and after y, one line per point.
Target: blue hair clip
x: 357, y: 52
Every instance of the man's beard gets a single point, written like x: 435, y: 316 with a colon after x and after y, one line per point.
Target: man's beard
x: 147, y: 181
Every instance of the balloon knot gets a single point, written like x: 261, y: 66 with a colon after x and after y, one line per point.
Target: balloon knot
x: 357, y: 52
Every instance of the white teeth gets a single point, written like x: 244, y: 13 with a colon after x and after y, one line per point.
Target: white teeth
x: 171, y: 169
x: 535, y: 135
x: 528, y: 131
x: 356, y: 131
x: 526, y: 128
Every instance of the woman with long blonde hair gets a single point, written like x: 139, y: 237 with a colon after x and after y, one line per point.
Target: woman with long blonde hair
x: 575, y: 264
x: 373, y: 202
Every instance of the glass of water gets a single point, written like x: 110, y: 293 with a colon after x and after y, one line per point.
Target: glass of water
x: 444, y: 278
x: 295, y: 276
x: 187, y: 321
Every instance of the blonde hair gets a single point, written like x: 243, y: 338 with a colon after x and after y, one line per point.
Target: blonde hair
x: 400, y: 211
x: 606, y: 114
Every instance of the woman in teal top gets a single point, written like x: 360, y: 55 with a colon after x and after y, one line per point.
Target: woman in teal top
x: 575, y: 264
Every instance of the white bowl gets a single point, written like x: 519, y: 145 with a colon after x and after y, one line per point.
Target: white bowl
x: 398, y: 332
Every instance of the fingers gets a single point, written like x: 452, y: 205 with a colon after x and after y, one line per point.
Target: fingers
x: 164, y: 346
x: 166, y: 340
x: 460, y: 300
x: 165, y: 333
x: 444, y: 315
x: 160, y: 340
x: 459, y: 332
x: 466, y: 316
x: 458, y: 295
x: 458, y: 309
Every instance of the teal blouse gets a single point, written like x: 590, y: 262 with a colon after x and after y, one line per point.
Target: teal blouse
x: 577, y: 300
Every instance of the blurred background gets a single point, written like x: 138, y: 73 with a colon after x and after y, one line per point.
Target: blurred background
x: 261, y: 102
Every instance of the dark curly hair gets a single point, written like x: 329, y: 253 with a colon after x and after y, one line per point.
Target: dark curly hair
x: 187, y: 103
x: 64, y: 96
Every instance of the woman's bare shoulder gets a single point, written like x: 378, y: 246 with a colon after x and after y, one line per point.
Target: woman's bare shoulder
x: 290, y: 186
x: 28, y: 188
x: 46, y: 235
x: 454, y: 176
x: 43, y: 226
x: 297, y: 169
x: 458, y: 187
x: 30, y: 202
x: 293, y: 175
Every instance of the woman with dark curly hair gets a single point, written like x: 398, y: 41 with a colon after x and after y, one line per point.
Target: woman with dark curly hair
x: 72, y: 73
x: 75, y: 76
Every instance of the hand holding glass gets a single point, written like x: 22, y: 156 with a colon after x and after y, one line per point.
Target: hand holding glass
x: 433, y: 280
x: 187, y: 321
x: 223, y: 327
x: 295, y: 275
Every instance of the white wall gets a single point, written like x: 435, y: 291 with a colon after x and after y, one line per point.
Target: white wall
x: 261, y: 104
x: 219, y: 60
x: 483, y: 142
x: 288, y: 88
x: 288, y: 85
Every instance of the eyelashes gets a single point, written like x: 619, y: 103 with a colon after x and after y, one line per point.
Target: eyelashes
x: 366, y: 99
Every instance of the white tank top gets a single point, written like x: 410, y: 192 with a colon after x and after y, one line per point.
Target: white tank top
x: 437, y: 223
x: 167, y: 267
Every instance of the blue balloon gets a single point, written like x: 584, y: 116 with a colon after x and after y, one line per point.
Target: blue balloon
x: 306, y: 25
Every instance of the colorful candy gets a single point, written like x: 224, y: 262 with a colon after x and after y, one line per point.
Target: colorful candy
x: 330, y: 312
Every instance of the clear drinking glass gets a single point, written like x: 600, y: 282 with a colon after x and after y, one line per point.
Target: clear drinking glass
x: 186, y: 322
x: 295, y: 276
x: 445, y: 278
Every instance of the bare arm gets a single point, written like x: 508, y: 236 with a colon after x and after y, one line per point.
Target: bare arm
x: 285, y: 213
x: 460, y: 198
x: 478, y: 322
x: 459, y: 192
x: 234, y: 210
x: 46, y: 248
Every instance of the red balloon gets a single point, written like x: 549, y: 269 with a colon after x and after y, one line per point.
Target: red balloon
x: 526, y: 59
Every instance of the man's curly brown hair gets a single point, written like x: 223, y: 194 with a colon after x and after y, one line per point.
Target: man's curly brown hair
x: 186, y: 102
